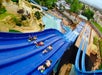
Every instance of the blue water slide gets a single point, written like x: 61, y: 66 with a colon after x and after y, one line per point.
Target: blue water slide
x: 19, y: 56
x: 84, y: 44
x: 44, y: 8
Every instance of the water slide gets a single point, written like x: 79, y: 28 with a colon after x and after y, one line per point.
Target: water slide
x: 19, y: 56
x: 83, y: 46
x: 43, y: 7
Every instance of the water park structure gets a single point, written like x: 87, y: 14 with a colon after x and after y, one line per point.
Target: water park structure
x: 38, y: 52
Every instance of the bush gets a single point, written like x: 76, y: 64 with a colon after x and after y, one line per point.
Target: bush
x: 37, y: 15
x: 12, y: 30
x: 100, y: 67
x: 96, y: 40
x: 100, y: 47
x: 48, y: 3
x: 2, y: 10
x: 15, y: 1
x: 69, y: 1
x: 17, y: 21
x: 88, y: 13
x: 23, y: 17
x: 75, y: 6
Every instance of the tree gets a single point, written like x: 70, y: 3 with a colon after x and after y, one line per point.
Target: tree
x: 37, y: 15
x: 69, y: 1
x: 88, y: 13
x: 48, y: 3
x: 75, y: 6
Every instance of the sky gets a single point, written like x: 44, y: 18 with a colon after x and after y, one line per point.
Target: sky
x: 94, y: 3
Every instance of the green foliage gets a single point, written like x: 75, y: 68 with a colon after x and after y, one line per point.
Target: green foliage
x: 2, y: 16
x: 15, y: 1
x: 98, y: 43
x: 69, y: 1
x: 12, y: 30
x: 100, y: 47
x: 17, y: 21
x: 75, y: 6
x: 23, y: 17
x: 95, y: 40
x: 100, y: 67
x: 81, y: 6
x: 88, y: 13
x: 97, y: 26
x: 37, y: 15
x: 48, y: 3
x: 2, y: 10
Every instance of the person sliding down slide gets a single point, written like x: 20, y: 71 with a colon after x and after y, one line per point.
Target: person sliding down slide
x: 32, y: 38
x: 49, y: 48
x: 43, y: 67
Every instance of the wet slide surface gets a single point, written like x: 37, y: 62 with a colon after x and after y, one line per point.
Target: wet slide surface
x: 18, y: 56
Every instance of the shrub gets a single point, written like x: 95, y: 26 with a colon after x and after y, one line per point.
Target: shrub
x: 88, y: 13
x: 96, y: 40
x: 17, y: 21
x: 100, y: 67
x: 37, y: 15
x: 12, y: 30
x: 2, y: 10
x: 15, y: 1
x: 100, y: 47
x: 23, y: 17
x: 48, y: 3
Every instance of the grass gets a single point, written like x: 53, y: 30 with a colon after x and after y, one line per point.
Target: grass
x: 97, y: 26
x: 12, y: 30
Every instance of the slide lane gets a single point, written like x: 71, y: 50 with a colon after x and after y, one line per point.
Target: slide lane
x: 15, y: 36
x: 10, y: 46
